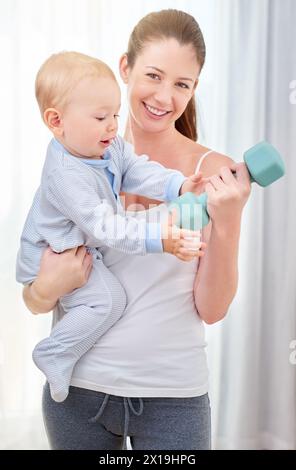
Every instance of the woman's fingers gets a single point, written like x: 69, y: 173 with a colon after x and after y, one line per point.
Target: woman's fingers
x: 242, y: 174
x: 210, y: 190
x: 88, y: 269
x: 86, y: 261
x: 72, y: 251
x: 217, y: 182
x: 227, y: 175
x: 81, y: 252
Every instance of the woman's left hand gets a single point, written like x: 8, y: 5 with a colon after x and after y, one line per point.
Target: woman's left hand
x: 227, y: 194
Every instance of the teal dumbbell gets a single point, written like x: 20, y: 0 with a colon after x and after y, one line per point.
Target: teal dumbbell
x: 265, y: 166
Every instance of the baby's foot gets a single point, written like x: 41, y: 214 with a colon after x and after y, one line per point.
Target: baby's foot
x: 57, y: 365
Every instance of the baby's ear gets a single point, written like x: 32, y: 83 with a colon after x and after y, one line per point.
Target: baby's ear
x: 124, y: 68
x: 53, y: 119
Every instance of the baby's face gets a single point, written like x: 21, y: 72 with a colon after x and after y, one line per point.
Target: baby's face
x: 90, y: 119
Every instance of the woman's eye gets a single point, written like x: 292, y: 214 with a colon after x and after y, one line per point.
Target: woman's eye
x: 116, y: 115
x: 100, y: 118
x: 154, y: 76
x: 183, y: 85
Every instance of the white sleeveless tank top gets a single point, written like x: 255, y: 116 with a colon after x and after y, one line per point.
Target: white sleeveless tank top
x: 157, y: 348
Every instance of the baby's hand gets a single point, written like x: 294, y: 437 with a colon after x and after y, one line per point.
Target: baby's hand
x: 184, y: 244
x: 194, y: 184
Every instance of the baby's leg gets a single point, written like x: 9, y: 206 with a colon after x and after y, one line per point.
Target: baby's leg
x: 91, y: 311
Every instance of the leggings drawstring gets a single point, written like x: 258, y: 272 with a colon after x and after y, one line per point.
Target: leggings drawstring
x: 127, y: 403
x: 101, y: 409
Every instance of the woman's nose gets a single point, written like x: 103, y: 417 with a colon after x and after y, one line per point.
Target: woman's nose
x: 164, y: 95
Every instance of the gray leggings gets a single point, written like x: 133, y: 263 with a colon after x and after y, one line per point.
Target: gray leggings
x: 90, y: 420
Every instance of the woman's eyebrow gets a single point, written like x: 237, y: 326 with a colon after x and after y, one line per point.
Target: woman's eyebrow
x: 161, y: 71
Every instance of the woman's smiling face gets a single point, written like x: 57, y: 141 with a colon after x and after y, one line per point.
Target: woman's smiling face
x: 161, y: 83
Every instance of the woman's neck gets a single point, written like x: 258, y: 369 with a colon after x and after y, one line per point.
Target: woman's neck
x: 151, y: 143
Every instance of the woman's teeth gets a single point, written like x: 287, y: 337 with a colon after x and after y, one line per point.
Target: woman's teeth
x: 155, y: 111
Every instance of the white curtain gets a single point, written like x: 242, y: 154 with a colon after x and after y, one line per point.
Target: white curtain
x: 29, y: 31
x: 253, y: 377
x: 243, y: 97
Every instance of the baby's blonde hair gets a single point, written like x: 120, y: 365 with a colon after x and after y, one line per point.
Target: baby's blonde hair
x: 61, y: 72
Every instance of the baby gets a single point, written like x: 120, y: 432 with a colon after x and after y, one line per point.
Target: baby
x: 78, y: 203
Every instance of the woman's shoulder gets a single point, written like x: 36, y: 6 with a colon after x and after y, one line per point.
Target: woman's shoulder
x: 212, y: 161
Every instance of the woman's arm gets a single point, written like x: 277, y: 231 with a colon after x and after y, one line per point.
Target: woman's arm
x: 217, y: 276
x: 35, y: 301
x: 59, y: 274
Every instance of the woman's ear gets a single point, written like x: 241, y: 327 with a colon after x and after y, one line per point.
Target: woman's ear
x: 124, y: 68
x: 53, y: 119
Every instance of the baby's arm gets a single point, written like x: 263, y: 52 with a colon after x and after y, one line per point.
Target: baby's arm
x: 75, y: 196
x: 148, y: 178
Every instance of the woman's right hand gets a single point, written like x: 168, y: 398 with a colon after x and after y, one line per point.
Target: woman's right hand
x: 59, y: 274
x: 228, y: 194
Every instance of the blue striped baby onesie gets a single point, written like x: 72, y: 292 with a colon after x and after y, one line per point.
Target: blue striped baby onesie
x: 78, y: 203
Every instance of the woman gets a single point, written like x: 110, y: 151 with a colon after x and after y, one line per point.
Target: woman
x: 147, y: 377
